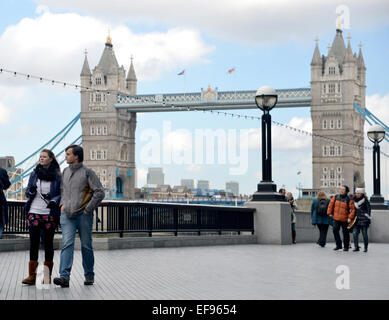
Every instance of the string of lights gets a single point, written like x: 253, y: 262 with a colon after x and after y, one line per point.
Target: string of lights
x: 173, y: 107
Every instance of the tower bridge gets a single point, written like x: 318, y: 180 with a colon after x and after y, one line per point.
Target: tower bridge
x: 338, y: 81
x: 209, y: 100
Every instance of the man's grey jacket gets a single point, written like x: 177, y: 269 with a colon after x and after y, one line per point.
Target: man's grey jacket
x: 74, y: 179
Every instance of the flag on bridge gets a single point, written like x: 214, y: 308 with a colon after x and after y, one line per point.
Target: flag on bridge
x: 181, y: 73
x: 231, y: 70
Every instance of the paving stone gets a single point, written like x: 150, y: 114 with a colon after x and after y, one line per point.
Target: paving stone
x: 238, y: 272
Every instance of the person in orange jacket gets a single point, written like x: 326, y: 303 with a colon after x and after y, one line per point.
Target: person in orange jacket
x: 341, y: 209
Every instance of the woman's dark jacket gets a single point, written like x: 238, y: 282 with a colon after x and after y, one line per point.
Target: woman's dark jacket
x: 316, y: 219
x: 361, y: 212
x: 4, y: 185
x: 55, y: 193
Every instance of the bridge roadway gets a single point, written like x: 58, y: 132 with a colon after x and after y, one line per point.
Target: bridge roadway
x: 209, y: 100
x: 238, y: 272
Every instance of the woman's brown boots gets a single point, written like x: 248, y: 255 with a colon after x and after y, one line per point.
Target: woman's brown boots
x: 30, y: 280
x: 47, y: 270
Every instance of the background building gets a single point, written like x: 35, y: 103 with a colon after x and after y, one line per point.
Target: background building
x: 189, y: 183
x: 203, y: 185
x: 155, y: 176
x: 233, y: 187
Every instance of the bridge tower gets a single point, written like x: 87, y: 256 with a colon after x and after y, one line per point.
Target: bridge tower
x: 108, y: 135
x: 337, y: 81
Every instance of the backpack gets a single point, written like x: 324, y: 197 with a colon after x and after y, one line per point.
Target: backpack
x: 322, y: 207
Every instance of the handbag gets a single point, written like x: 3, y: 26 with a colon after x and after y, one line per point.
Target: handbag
x: 352, y: 222
x: 87, y: 194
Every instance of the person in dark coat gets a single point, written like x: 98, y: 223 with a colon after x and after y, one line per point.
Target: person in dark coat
x: 42, y: 209
x: 320, y: 218
x: 363, y: 212
x: 4, y: 185
x: 293, y: 207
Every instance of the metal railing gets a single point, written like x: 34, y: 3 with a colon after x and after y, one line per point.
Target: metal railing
x: 145, y: 217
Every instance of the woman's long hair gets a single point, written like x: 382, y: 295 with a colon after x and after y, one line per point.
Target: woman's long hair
x: 54, y: 163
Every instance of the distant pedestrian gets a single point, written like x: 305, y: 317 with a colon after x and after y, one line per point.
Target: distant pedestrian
x: 4, y: 185
x: 282, y: 192
x: 43, y: 193
x: 342, y: 210
x: 293, y: 205
x: 363, y: 213
x: 81, y: 193
x: 320, y: 218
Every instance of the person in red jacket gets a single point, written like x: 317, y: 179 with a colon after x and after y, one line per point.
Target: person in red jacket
x: 341, y: 209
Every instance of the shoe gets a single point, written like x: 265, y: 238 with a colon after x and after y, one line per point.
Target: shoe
x: 345, y: 249
x: 337, y: 248
x: 322, y: 245
x: 47, y: 271
x: 356, y: 249
x: 89, y: 281
x: 365, y: 250
x: 30, y: 280
x: 61, y: 281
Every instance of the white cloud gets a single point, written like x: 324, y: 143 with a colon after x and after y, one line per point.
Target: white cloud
x: 52, y: 45
x: 193, y: 168
x: 5, y: 113
x: 379, y: 106
x: 281, y: 136
x: 248, y: 21
x: 179, y: 140
x: 141, y: 176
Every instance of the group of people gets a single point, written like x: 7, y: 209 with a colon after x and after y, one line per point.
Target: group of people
x: 68, y: 199
x: 351, y: 213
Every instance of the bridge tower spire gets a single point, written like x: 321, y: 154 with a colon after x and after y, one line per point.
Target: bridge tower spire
x: 108, y: 134
x: 336, y: 83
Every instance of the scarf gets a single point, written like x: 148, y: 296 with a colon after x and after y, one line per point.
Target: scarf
x: 46, y: 174
x: 358, y: 204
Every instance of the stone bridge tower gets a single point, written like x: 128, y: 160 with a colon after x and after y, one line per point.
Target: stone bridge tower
x: 108, y: 135
x: 337, y: 81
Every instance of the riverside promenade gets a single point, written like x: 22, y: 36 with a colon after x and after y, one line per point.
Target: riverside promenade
x: 237, y: 272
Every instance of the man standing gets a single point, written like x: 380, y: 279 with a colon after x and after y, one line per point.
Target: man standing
x: 81, y: 193
x: 342, y: 210
x: 4, y: 185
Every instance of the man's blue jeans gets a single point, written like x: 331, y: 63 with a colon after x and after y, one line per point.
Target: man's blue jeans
x: 1, y: 229
x: 82, y: 223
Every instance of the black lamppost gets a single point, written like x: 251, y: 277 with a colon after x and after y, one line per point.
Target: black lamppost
x: 265, y: 99
x: 376, y: 134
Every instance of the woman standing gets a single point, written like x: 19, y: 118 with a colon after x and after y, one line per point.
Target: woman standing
x: 320, y: 218
x: 293, y: 205
x: 363, y: 212
x: 44, y: 194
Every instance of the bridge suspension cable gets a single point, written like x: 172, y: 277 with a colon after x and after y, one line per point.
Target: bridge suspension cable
x: 23, y: 169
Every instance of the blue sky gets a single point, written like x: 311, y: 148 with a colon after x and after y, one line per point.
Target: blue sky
x: 48, y: 37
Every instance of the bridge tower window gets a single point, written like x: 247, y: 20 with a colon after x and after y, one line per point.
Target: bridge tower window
x: 119, y: 188
x: 339, y: 124
x: 339, y: 150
